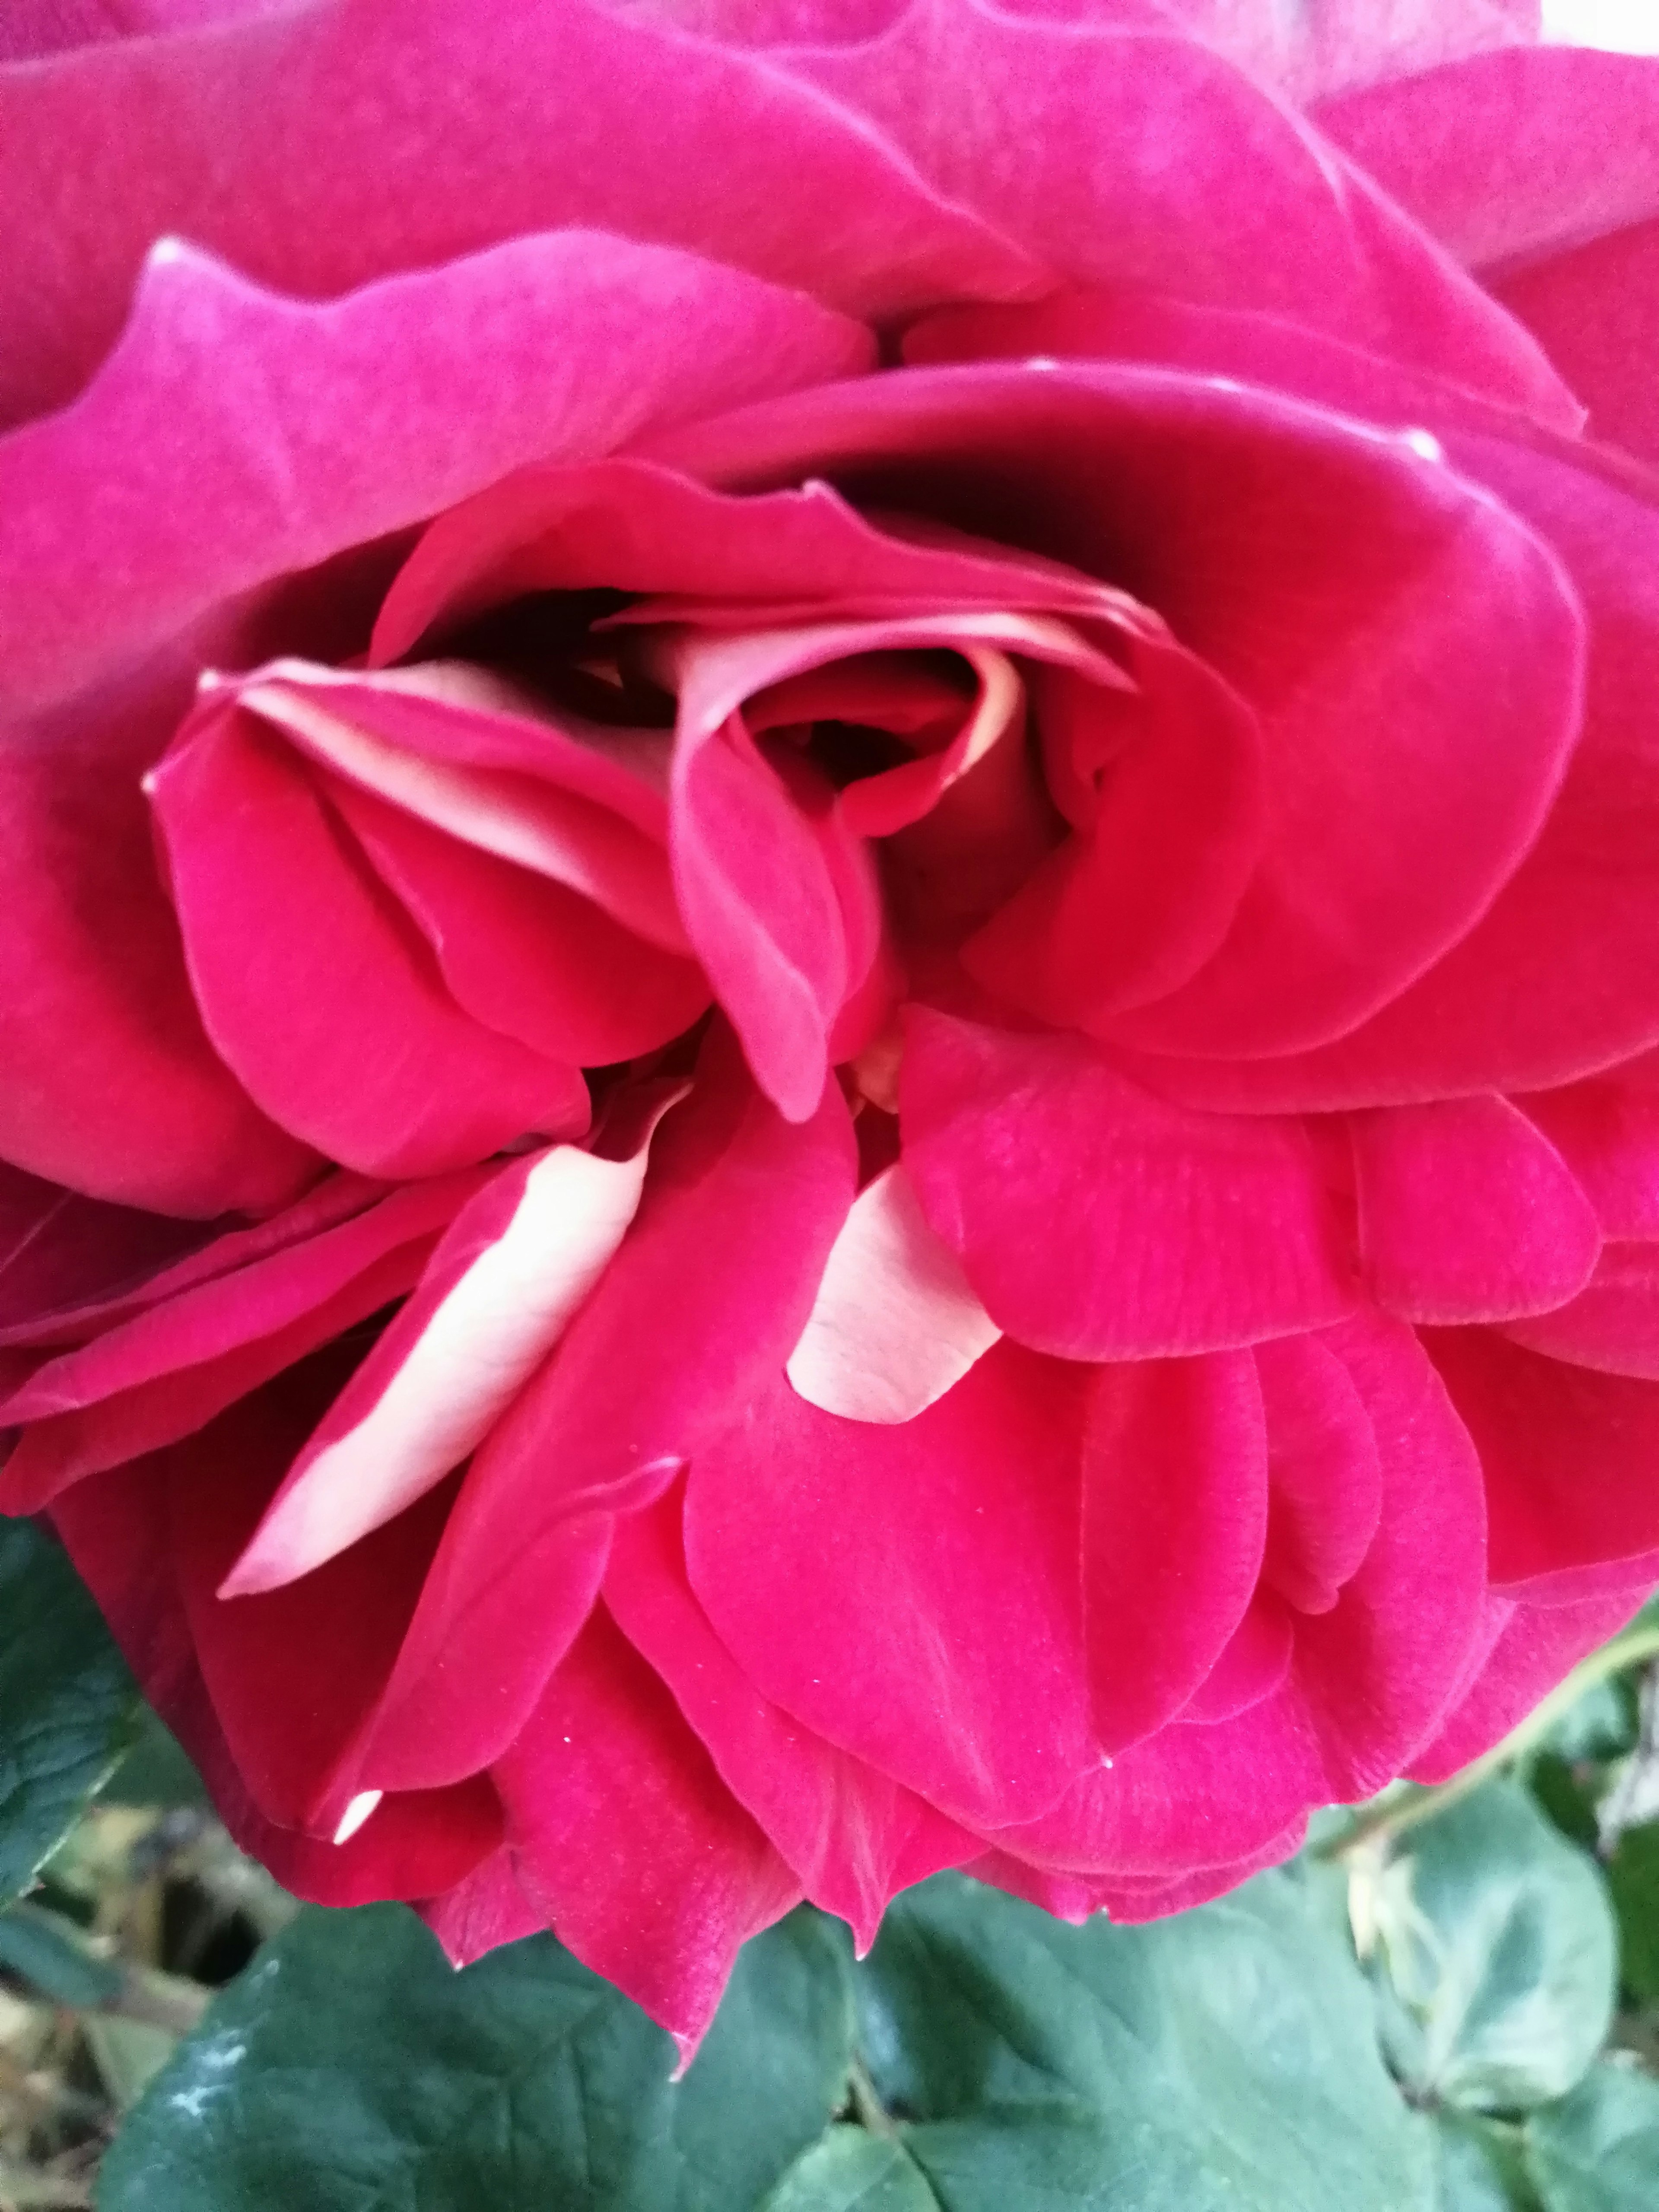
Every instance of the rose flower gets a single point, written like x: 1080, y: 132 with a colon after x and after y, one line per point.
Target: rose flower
x: 831, y: 959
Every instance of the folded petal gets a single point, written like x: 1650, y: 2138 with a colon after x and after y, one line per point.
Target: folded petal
x: 1324, y: 1472
x: 316, y: 988
x: 59, y: 1251
x: 1120, y: 155
x: 1096, y: 1222
x: 1412, y: 649
x: 1613, y: 1322
x: 112, y: 1086
x: 910, y: 1592
x: 646, y: 1866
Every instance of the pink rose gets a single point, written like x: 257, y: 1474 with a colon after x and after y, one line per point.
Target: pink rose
x: 831, y: 977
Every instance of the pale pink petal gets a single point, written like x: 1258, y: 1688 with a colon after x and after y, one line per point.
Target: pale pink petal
x: 1174, y: 1517
x: 1096, y: 1222
x: 512, y: 1270
x: 1511, y: 156
x: 1468, y: 1212
x: 625, y: 1837
x: 1324, y: 47
x: 895, y: 1324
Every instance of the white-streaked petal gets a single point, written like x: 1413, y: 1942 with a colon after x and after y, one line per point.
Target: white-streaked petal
x: 356, y: 1813
x: 895, y: 1324
x: 480, y: 1346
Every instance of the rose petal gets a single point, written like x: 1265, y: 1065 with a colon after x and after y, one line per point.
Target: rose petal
x: 1174, y: 1517
x: 627, y: 1838
x: 1568, y: 1455
x: 1096, y: 1222
x: 1325, y: 1478
x: 340, y: 1025
x: 853, y: 1837
x: 509, y: 1275
x: 1468, y: 1212
x: 873, y: 1580
x: 1613, y: 1322
x: 172, y: 1366
x: 318, y: 151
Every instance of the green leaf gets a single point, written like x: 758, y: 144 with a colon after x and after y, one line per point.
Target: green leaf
x: 1634, y: 1878
x: 1498, y: 1945
x: 1477, y: 2169
x: 852, y: 2172
x: 1598, y: 2150
x: 49, y: 1951
x: 67, y: 1701
x: 1225, y: 2058
x: 1602, y: 1724
x: 157, y: 1771
x: 349, y: 2068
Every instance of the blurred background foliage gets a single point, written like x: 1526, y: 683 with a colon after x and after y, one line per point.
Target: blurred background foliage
x: 1449, y: 2003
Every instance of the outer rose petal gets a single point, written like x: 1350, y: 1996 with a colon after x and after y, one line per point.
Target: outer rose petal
x: 1613, y: 1322
x: 1125, y: 157
x: 1509, y: 156
x: 1096, y: 1222
x: 170, y: 1365
x: 59, y: 1250
x: 1541, y: 1426
x: 111, y: 1083
x: 1175, y: 1520
x: 339, y: 142
x: 233, y: 435
x: 648, y: 1868
x: 116, y: 1530
x: 853, y: 1837
x: 1536, y: 1646
x: 873, y: 1581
